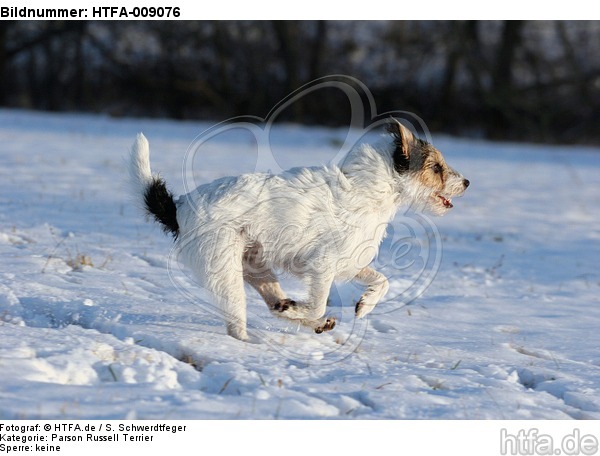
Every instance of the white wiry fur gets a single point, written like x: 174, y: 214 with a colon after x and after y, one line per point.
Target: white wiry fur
x: 139, y: 169
x: 321, y: 224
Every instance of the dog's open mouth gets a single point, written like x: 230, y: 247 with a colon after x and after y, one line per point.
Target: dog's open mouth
x: 445, y: 201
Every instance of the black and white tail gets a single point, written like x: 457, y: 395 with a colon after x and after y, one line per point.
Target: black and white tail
x: 158, y: 201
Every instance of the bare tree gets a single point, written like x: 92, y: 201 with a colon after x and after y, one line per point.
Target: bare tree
x: 517, y: 79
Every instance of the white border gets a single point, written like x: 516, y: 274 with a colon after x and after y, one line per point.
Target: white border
x: 376, y: 437
x: 318, y: 9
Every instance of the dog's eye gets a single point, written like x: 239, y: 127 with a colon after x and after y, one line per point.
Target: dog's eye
x: 437, y: 168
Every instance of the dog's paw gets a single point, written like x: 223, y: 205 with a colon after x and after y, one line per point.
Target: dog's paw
x: 363, y: 307
x: 369, y: 299
x: 283, y: 305
x: 327, y: 326
x: 237, y: 331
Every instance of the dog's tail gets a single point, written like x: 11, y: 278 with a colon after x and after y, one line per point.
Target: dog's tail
x: 157, y: 200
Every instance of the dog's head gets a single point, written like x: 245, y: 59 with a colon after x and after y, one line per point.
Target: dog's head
x: 424, y: 170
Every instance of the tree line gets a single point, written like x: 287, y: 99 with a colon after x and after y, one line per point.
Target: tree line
x: 518, y: 80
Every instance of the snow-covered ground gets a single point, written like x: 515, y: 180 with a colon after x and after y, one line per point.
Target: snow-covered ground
x: 96, y: 322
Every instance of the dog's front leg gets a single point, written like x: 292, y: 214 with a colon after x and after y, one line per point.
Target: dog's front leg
x: 377, y: 287
x: 310, y: 313
x: 319, y: 287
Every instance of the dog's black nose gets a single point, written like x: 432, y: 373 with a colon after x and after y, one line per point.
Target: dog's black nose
x: 466, y: 182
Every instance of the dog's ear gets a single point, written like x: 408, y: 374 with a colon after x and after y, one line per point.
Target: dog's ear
x: 403, y: 141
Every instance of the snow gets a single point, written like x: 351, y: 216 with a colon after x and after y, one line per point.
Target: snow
x: 493, y: 311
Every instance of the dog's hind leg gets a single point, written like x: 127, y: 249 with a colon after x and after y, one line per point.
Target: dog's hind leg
x: 267, y: 286
x: 260, y: 276
x: 220, y: 272
x: 377, y: 287
x: 231, y: 298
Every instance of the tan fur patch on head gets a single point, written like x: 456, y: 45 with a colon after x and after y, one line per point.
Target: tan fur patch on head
x: 431, y: 168
x: 434, y: 183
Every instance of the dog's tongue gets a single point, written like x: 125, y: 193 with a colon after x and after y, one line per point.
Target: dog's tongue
x: 446, y: 202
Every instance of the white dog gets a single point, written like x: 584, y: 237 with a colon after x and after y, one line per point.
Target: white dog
x: 321, y: 224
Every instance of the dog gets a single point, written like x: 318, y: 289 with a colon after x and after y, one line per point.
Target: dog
x: 321, y: 224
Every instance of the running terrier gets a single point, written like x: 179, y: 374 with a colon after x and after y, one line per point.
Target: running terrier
x: 320, y: 224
